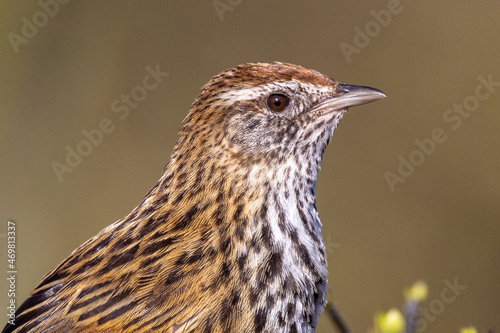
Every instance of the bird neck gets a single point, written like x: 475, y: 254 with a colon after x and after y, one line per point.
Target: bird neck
x: 259, y: 233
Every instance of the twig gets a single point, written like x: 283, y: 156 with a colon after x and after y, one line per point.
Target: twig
x: 337, y: 318
x: 411, y: 316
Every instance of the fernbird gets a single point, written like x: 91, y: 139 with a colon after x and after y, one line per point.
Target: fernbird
x: 229, y: 239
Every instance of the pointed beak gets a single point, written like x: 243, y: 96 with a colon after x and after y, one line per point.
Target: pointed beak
x: 351, y: 95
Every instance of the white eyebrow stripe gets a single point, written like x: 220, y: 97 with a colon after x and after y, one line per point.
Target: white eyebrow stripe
x: 243, y: 94
x: 264, y: 89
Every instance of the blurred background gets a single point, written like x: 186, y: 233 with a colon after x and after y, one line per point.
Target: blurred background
x: 409, y: 188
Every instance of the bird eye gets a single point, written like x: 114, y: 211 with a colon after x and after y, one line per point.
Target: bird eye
x: 277, y: 102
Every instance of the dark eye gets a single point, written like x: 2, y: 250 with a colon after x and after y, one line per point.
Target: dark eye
x: 277, y: 102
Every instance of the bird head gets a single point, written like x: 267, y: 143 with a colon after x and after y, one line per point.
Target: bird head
x: 270, y: 112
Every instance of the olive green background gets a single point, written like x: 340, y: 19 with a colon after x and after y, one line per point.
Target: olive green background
x: 441, y: 223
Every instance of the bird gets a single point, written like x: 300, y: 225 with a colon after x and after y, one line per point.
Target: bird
x: 229, y: 239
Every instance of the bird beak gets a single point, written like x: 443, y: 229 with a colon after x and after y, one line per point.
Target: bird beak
x: 351, y: 95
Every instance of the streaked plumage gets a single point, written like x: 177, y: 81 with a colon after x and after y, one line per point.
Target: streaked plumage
x: 229, y: 239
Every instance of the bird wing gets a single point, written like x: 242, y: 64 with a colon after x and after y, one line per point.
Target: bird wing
x: 115, y: 282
